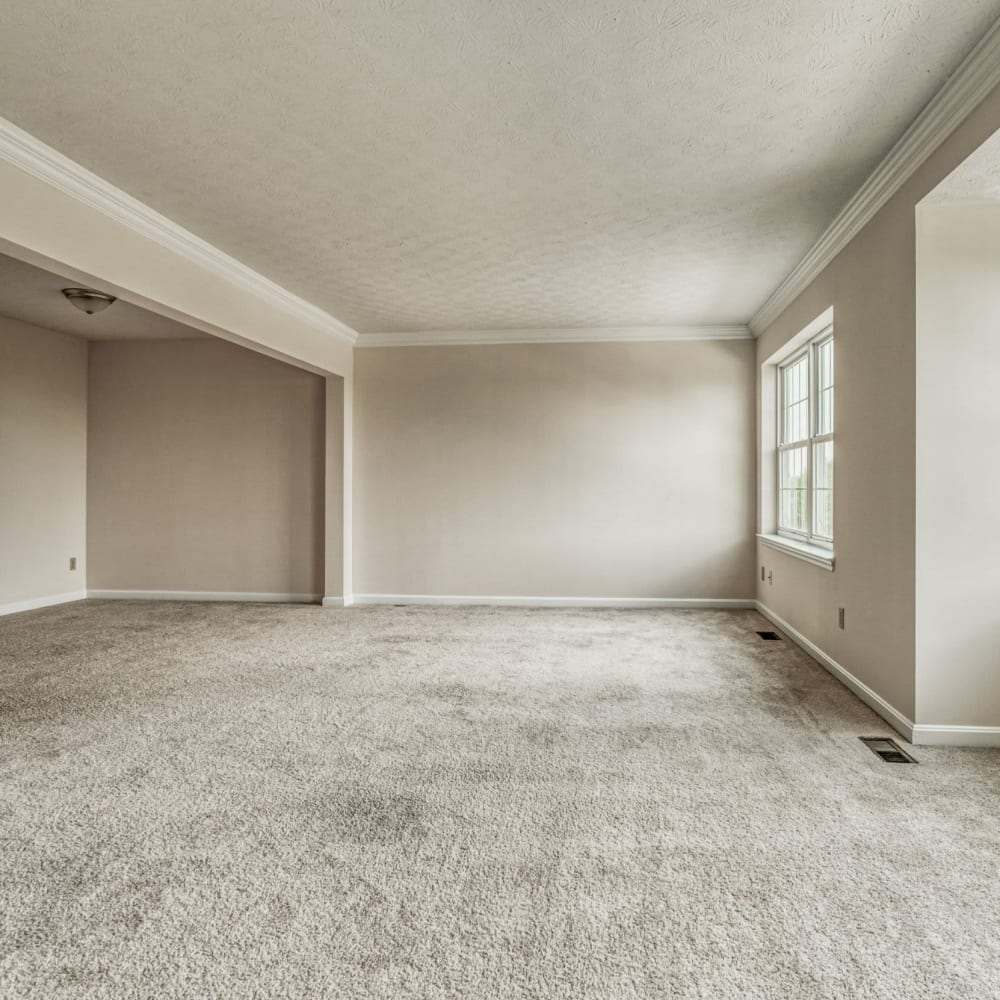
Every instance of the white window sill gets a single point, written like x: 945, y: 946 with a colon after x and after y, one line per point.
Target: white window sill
x: 800, y: 550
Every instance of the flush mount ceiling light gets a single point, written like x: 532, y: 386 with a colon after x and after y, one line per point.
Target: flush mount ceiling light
x: 87, y: 300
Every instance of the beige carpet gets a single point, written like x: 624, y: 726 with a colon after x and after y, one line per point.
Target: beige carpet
x: 253, y: 801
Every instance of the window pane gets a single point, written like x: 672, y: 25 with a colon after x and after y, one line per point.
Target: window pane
x: 824, y: 359
x: 793, y: 490
x: 795, y: 400
x: 824, y: 412
x: 823, y: 493
x: 824, y: 408
x: 796, y: 382
x: 796, y: 422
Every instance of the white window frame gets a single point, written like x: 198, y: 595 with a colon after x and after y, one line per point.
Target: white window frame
x: 808, y: 537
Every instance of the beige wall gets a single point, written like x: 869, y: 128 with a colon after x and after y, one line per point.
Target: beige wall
x: 43, y: 462
x: 871, y: 286
x: 569, y: 470
x: 958, y: 465
x: 206, y: 470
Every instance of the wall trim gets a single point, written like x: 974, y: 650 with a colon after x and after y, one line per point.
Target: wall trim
x: 964, y: 90
x: 553, y: 335
x: 333, y: 602
x: 16, y: 607
x: 871, y: 698
x: 34, y: 157
x: 203, y: 595
x: 463, y: 600
x: 956, y: 736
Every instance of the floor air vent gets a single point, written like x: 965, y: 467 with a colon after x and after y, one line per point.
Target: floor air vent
x: 889, y: 750
x: 769, y: 635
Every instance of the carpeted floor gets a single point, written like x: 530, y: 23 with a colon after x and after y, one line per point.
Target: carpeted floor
x: 260, y: 801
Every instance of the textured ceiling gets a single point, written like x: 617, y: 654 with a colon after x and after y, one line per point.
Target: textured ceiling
x: 33, y: 295
x: 976, y: 179
x: 415, y: 164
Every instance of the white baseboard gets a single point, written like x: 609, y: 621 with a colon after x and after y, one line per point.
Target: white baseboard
x: 956, y: 736
x: 552, y: 602
x: 333, y: 602
x: 202, y: 595
x: 14, y: 607
x: 872, y: 699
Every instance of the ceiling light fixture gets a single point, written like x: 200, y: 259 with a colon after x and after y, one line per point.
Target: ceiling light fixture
x: 87, y: 300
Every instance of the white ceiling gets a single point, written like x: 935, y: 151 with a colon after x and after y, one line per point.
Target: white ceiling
x: 433, y: 164
x: 33, y: 295
x: 976, y: 179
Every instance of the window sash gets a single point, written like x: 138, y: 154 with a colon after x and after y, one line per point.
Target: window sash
x: 783, y: 409
x: 788, y: 504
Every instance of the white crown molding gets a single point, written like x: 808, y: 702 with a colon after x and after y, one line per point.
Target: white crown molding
x: 871, y: 698
x: 203, y: 595
x: 16, y: 607
x: 553, y: 335
x: 47, y: 164
x: 452, y: 600
x: 964, y: 90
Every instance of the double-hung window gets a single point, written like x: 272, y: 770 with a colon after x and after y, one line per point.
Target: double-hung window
x: 805, y: 443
